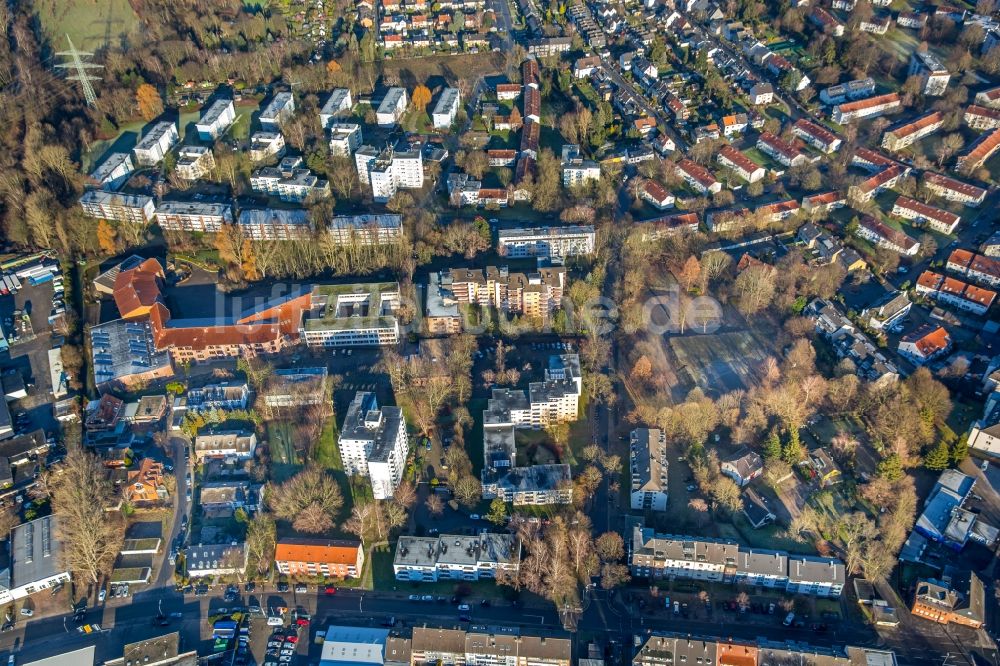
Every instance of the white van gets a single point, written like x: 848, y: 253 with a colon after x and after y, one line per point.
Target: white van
x: 275, y: 621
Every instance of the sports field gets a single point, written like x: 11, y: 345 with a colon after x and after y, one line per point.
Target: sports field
x: 91, y: 24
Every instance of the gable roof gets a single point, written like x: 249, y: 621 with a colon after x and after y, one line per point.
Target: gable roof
x: 320, y: 551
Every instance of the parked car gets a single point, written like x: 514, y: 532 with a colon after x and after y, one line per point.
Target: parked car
x: 102, y: 595
x: 301, y: 588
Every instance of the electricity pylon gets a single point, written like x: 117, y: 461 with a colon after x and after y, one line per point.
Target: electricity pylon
x: 82, y: 75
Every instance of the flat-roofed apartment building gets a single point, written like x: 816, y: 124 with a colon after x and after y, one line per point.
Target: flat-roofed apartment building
x: 672, y: 649
x: 194, y: 162
x: 277, y: 112
x: 289, y: 181
x: 215, y: 119
x: 373, y: 443
x: 536, y: 295
x: 338, y: 104
x: 648, y: 466
x: 446, y: 108
x: 319, y: 557
x: 455, y: 557
x: 366, y: 229
x: 275, y: 224
x: 345, y: 138
x: 130, y: 208
x: 113, y: 171
x: 194, y: 216
x: 908, y: 133
x: 392, y: 107
x: 353, y: 315
x: 156, y: 143
x: 546, y: 242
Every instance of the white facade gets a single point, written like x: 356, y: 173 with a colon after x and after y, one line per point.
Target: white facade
x: 156, y: 144
x: 275, y: 224
x: 277, y: 112
x: 353, y: 315
x: 344, y: 138
x: 35, y: 553
x: 373, y: 443
x: 580, y: 172
x: 289, y: 182
x: 194, y: 162
x: 446, y: 108
x: 648, y: 466
x: 933, y: 75
x: 389, y: 171
x: 339, y: 103
x: 133, y: 208
x: 392, y: 107
x: 216, y: 119
x: 114, y: 171
x: 193, y: 216
x: 455, y: 557
x: 548, y: 242
x: 266, y: 144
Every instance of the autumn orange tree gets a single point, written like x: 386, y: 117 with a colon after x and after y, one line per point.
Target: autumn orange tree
x: 148, y: 99
x: 106, y: 237
x: 642, y: 370
x: 421, y: 97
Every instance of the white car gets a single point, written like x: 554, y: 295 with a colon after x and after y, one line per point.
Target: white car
x: 102, y: 595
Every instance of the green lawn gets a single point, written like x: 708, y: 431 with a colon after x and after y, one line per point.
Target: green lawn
x: 326, y: 452
x: 284, y: 460
x: 91, y: 24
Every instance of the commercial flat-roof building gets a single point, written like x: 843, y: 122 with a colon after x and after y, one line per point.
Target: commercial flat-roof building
x: 373, y: 443
x: 123, y: 353
x: 215, y: 119
x: 35, y: 560
x: 354, y: 646
x: 352, y: 315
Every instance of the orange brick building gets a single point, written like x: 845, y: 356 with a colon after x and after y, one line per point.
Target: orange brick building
x: 945, y: 603
x: 320, y: 557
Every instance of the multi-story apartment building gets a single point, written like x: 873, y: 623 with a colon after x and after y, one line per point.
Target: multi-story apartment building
x: 446, y: 108
x: 132, y: 208
x: 849, y: 91
x: 865, y: 108
x: 388, y: 171
x: 577, y: 172
x: 319, y: 557
x: 951, y: 189
x: 869, y: 188
x: 338, y: 104
x: 264, y: 145
x: 289, y: 181
x: 660, y: 649
x: 698, y: 177
x: 885, y: 236
x: 366, y: 229
x: 741, y: 165
x: 536, y: 485
x: 156, y: 143
x: 934, y: 76
x: 353, y: 315
x: 981, y: 150
x: 345, y: 138
x: 277, y: 112
x: 951, y: 602
x: 392, y: 107
x: 823, y: 202
x: 534, y: 295
x: 657, y: 556
x: 215, y: 119
x: 275, y: 224
x: 230, y: 444
x: 373, y: 443
x: 781, y: 150
x: 816, y: 136
x: 961, y: 295
x: 941, y: 221
x: 908, y: 133
x: 194, y: 216
x: 456, y: 647
x: 989, y: 98
x: 546, y: 242
x: 113, y: 171
x: 981, y: 117
x: 979, y: 268
x: 455, y: 557
x: 870, y: 160
x: 194, y: 162
x: 648, y: 467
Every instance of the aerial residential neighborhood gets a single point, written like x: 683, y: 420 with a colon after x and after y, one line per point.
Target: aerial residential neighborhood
x: 500, y: 333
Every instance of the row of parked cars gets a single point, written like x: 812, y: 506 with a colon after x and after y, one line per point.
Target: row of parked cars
x: 281, y: 647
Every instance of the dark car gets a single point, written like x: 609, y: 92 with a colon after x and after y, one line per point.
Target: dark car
x: 282, y: 587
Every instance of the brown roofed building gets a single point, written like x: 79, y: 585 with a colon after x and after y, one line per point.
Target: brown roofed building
x: 941, y: 602
x: 981, y: 117
x: 743, y: 166
x: 942, y: 221
x: 906, y: 134
x: 925, y: 343
x: 138, y: 289
x: 951, y: 189
x: 980, y: 151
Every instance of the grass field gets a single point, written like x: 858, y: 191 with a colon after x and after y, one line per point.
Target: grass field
x: 91, y: 24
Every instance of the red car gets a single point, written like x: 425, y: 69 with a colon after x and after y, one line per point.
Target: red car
x: 292, y: 639
x: 330, y: 590
x: 302, y: 622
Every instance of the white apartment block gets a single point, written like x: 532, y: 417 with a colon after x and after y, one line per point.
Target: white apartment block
x: 113, y: 171
x: 648, y: 466
x: 951, y: 189
x: 345, y: 138
x: 194, y: 162
x: 882, y: 235
x: 851, y: 90
x: 277, y: 112
x: 392, y: 108
x: 740, y: 164
x: 338, y: 104
x: 133, y: 208
x: 865, y: 108
x: 447, y: 108
x: 907, y: 134
x: 941, y: 221
x: 352, y: 315
x: 264, y: 145
x: 373, y: 443
x: 933, y: 75
x: 389, y: 171
x: 275, y: 224
x: 156, y: 143
x: 193, y: 216
x: 216, y: 119
x: 366, y: 229
x: 455, y: 557
x: 580, y: 172
x: 698, y: 177
x: 668, y: 556
x: 546, y: 242
x: 289, y: 182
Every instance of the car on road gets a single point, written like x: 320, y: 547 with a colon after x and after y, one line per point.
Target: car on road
x: 89, y: 629
x: 464, y: 607
x: 427, y: 597
x: 789, y: 620
x: 474, y: 516
x: 102, y: 595
x: 27, y: 612
x: 414, y: 597
x: 301, y: 588
x: 285, y: 659
x: 330, y: 590
x: 282, y: 587
x: 288, y: 652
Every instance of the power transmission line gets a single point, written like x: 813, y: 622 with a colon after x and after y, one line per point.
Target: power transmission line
x: 82, y: 75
